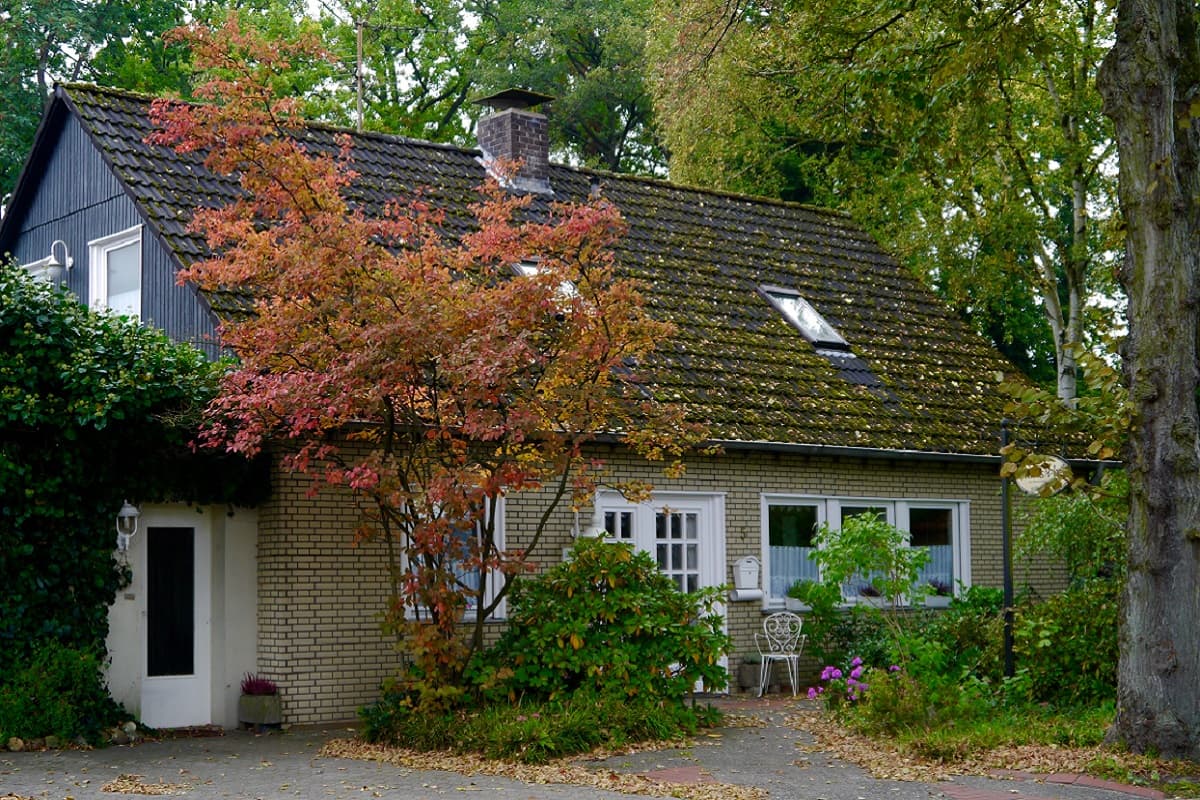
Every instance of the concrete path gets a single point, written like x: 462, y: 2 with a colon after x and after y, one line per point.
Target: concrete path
x: 285, y: 766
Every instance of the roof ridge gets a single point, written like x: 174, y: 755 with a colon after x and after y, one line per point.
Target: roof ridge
x: 649, y: 180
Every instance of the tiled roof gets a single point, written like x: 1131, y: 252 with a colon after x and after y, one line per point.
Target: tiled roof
x: 920, y: 378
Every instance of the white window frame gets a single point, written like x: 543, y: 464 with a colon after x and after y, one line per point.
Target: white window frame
x: 532, y: 267
x: 801, y: 314
x: 98, y: 250
x: 829, y: 509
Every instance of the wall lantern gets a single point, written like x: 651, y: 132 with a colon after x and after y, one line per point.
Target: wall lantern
x: 56, y: 271
x: 127, y: 519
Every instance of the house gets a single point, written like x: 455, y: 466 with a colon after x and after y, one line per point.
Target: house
x: 835, y: 382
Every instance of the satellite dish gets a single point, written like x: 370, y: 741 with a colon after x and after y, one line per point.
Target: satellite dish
x: 1044, y: 475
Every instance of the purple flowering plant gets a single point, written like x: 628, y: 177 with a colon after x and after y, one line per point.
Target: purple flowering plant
x: 840, y: 686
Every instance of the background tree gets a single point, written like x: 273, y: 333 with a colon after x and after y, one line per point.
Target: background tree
x: 967, y: 137
x: 424, y: 63
x: 411, y: 366
x: 117, y: 44
x: 1150, y: 81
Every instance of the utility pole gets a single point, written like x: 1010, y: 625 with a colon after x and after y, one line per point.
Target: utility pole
x: 358, y: 69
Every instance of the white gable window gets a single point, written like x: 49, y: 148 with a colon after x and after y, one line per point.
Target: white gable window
x: 789, y: 522
x: 800, y: 313
x: 115, y: 272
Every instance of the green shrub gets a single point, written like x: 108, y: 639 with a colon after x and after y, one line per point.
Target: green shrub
x: 606, y: 621
x: 1067, y: 644
x: 59, y: 692
x: 529, y: 731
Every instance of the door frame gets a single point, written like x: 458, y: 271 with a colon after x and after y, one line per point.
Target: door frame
x: 175, y: 701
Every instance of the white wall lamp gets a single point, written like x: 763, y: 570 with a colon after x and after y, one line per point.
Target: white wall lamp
x: 127, y: 519
x: 56, y: 271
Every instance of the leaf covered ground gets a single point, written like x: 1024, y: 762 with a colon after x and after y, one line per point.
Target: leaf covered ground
x: 562, y: 771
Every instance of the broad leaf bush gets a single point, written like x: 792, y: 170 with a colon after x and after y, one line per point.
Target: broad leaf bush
x: 1067, y: 644
x: 607, y: 621
x: 59, y: 692
x: 602, y: 649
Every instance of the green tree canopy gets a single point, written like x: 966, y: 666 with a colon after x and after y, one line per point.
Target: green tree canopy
x: 424, y: 64
x: 967, y: 137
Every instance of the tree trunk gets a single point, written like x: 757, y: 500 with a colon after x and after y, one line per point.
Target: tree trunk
x: 1149, y: 82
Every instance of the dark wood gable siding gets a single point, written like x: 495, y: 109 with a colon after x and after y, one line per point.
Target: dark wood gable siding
x: 78, y: 199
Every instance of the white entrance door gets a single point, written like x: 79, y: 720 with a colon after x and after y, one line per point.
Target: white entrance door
x: 177, y: 681
x: 683, y: 532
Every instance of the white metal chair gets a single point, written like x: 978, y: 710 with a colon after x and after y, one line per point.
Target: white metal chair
x: 780, y: 640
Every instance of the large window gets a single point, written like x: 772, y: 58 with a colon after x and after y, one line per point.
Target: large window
x: 115, y: 272
x: 468, y: 577
x: 789, y: 521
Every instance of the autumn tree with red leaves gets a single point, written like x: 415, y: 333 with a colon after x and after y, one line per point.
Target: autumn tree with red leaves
x: 418, y: 369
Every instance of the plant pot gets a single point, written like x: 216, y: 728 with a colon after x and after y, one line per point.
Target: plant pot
x: 747, y: 675
x: 260, y: 710
x: 938, y: 601
x: 877, y: 602
x: 792, y: 604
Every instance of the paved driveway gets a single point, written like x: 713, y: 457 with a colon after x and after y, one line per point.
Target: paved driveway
x: 285, y: 766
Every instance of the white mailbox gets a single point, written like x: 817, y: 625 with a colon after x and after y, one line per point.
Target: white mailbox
x: 745, y: 579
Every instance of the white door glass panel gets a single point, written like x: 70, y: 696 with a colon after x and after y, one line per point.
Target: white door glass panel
x: 677, y: 547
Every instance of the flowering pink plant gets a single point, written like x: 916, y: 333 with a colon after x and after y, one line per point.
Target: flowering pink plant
x: 844, y: 686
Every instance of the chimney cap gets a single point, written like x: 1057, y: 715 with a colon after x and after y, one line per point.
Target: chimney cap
x: 513, y: 98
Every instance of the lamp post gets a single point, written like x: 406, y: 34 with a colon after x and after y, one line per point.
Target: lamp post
x: 1040, y: 476
x: 1006, y: 529
x: 127, y: 521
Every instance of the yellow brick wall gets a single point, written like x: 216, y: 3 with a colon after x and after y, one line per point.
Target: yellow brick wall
x: 320, y: 597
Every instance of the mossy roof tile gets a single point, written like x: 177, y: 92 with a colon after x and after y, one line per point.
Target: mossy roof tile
x: 923, y: 380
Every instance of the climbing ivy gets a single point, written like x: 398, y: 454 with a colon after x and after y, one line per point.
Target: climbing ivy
x: 94, y: 409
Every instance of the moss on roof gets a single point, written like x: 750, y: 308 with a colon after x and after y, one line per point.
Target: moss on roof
x: 735, y: 362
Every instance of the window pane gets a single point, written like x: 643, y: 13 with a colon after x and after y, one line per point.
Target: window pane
x: 933, y: 528
x: 124, y: 272
x: 858, y: 511
x: 790, y: 547
x: 929, y: 526
x: 460, y: 549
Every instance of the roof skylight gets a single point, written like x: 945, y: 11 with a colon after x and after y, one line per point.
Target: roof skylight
x: 529, y: 268
x: 796, y: 310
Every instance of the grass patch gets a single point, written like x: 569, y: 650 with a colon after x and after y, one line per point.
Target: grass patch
x: 535, y: 732
x: 1008, y: 727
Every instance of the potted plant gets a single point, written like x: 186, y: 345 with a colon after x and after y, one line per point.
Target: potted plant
x: 798, y: 595
x: 870, y: 594
x: 259, y: 706
x: 748, y: 672
x: 938, y: 594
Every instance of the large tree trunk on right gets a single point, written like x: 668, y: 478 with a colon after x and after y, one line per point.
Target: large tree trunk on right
x: 1149, y: 82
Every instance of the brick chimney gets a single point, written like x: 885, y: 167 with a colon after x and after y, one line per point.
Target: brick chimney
x: 513, y: 132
